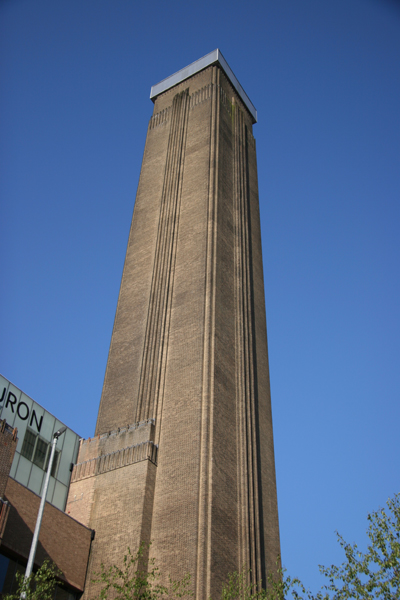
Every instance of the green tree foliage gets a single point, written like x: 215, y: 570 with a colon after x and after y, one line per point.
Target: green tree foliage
x: 39, y: 586
x: 238, y: 587
x: 370, y: 575
x: 375, y: 573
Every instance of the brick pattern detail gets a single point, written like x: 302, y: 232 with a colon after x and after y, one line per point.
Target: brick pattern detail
x: 69, y: 549
x: 225, y: 102
x: 119, y: 504
x: 189, y: 351
x: 156, y: 340
x: 246, y: 385
x: 160, y: 118
x: 8, y: 445
x: 196, y: 98
x: 115, y: 460
x: 200, y: 95
x: 115, y: 474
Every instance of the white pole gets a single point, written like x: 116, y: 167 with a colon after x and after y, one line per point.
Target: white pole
x: 32, y: 552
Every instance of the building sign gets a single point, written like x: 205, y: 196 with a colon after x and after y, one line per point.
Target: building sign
x: 36, y: 427
x: 21, y: 408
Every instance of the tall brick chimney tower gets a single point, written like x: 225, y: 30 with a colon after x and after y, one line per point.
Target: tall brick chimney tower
x: 183, y: 454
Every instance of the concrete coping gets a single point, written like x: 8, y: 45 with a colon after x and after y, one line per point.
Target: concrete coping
x: 214, y: 57
x: 118, y: 431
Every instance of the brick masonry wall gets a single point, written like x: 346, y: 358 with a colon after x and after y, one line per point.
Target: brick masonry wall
x: 112, y: 488
x: 8, y: 445
x: 62, y: 539
x: 189, y: 353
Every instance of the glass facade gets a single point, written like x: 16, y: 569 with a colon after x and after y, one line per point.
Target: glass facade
x: 36, y: 427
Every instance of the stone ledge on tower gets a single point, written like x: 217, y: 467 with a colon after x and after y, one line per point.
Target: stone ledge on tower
x: 115, y: 460
x: 116, y: 440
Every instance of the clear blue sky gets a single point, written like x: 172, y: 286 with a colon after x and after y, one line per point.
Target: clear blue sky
x: 75, y: 78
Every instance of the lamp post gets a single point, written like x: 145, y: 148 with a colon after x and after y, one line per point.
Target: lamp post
x: 41, y: 508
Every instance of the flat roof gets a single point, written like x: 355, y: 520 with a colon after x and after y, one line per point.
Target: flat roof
x: 210, y: 59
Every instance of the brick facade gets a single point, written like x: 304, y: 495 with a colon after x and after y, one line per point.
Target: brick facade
x: 62, y: 539
x: 8, y: 445
x: 184, y: 449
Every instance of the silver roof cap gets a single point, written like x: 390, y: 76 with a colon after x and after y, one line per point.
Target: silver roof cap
x: 213, y: 57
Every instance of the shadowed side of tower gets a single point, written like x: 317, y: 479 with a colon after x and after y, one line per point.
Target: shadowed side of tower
x: 183, y: 454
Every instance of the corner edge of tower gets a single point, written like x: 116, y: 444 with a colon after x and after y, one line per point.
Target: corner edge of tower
x: 214, y: 57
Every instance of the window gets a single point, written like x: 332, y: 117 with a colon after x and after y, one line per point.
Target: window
x: 4, y: 562
x: 39, y: 458
x: 29, y: 444
x: 38, y: 451
x: 55, y: 462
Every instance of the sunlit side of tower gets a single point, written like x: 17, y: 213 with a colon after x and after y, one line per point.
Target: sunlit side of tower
x: 183, y: 454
